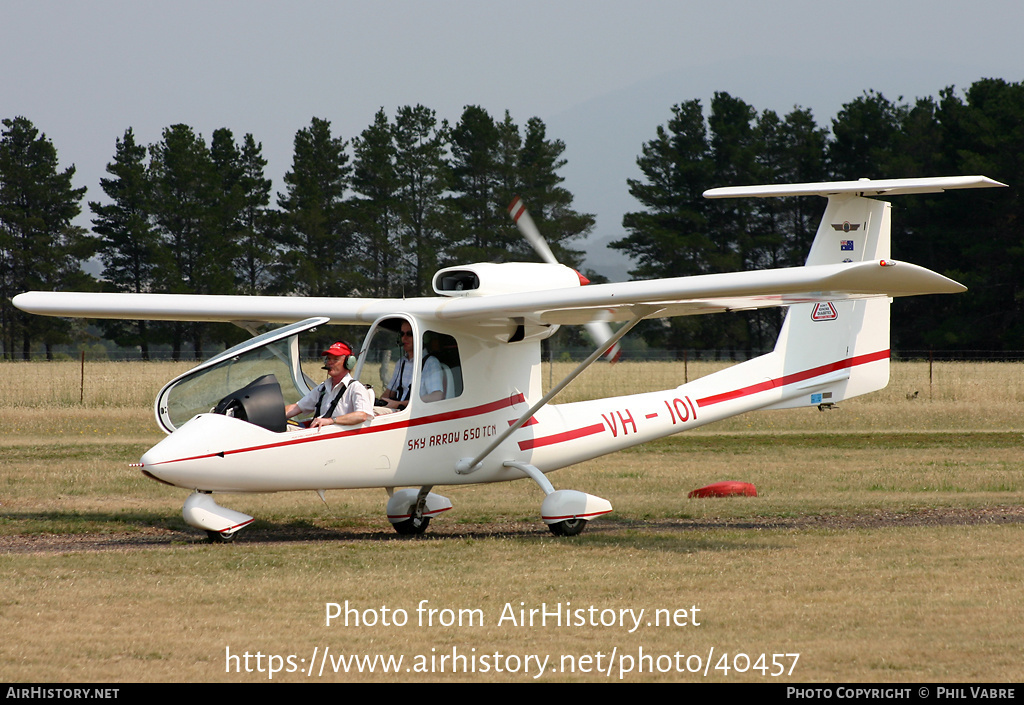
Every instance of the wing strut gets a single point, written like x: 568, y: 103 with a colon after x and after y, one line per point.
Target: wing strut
x: 468, y: 465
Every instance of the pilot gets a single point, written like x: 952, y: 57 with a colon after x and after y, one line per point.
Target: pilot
x: 340, y: 399
x: 396, y: 395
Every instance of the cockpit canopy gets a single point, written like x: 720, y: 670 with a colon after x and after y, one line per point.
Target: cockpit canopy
x: 201, y: 389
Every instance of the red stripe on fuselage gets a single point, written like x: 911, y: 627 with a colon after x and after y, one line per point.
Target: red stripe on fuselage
x: 795, y: 377
x: 566, y: 435
x: 407, y: 423
x: 561, y: 437
x: 716, y: 398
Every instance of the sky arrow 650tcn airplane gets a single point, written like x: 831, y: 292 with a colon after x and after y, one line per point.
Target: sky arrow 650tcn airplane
x: 485, y: 328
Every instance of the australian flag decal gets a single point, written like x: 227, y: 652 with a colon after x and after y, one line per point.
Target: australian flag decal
x: 846, y: 245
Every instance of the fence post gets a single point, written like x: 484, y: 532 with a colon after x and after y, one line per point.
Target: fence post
x: 931, y: 355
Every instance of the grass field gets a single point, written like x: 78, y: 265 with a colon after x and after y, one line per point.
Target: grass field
x: 885, y: 546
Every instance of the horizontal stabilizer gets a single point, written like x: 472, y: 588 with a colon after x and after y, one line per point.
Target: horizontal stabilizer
x: 863, y: 187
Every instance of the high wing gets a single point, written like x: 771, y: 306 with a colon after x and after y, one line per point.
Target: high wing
x: 572, y: 305
x: 849, y: 259
x: 710, y: 293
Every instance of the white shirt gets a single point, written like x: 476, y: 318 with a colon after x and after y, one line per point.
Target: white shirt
x: 432, y: 379
x: 355, y: 398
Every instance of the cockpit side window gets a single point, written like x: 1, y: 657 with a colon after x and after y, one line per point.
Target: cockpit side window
x: 382, y: 356
x: 411, y: 367
x: 442, y: 367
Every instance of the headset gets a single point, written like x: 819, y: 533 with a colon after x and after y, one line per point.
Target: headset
x: 350, y: 360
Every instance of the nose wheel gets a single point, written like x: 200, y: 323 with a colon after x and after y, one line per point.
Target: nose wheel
x: 569, y: 527
x: 414, y: 525
x: 410, y: 510
x: 220, y: 523
x: 218, y: 537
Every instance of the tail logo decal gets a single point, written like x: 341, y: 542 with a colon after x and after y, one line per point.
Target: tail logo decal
x: 846, y: 227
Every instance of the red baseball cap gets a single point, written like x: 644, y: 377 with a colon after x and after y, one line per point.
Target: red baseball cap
x: 338, y: 349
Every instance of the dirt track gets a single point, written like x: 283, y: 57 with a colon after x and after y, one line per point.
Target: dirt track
x: 165, y: 538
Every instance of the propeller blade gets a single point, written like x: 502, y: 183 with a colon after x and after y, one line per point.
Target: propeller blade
x: 599, y: 331
x: 529, y: 230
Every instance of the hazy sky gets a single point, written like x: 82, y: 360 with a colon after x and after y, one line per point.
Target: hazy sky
x: 602, y: 75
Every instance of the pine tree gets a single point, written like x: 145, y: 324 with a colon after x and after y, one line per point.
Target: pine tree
x: 493, y: 163
x: 670, y: 237
x: 375, y: 210
x: 475, y: 185
x: 128, y: 245
x: 422, y: 170
x: 549, y: 202
x: 863, y: 136
x: 315, y: 229
x: 791, y: 150
x: 40, y: 247
x: 186, y: 214
x: 734, y: 149
x: 975, y: 237
x: 256, y: 251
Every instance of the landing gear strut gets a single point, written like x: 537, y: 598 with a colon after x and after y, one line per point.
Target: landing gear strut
x: 566, y: 512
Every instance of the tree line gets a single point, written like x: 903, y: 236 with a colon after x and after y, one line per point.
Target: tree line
x: 975, y: 237
x: 377, y: 214
x: 373, y: 216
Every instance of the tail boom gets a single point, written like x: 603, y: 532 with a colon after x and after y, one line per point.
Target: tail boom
x: 828, y: 350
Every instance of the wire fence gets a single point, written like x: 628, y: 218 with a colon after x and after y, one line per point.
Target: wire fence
x: 567, y: 354
x: 97, y: 381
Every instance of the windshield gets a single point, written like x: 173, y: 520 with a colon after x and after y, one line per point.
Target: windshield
x: 199, y: 390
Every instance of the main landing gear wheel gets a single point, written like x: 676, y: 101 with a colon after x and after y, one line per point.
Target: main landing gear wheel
x: 413, y: 526
x: 569, y: 527
x: 410, y: 510
x: 218, y: 537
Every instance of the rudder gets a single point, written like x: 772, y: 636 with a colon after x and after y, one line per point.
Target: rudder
x: 840, y: 349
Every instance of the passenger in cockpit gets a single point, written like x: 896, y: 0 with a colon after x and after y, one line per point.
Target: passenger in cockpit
x: 398, y: 392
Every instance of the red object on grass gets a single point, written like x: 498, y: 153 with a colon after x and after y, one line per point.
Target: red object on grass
x: 726, y: 489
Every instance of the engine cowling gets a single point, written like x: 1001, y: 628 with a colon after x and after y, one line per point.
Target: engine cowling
x: 489, y: 278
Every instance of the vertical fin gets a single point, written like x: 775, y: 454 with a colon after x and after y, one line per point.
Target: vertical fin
x: 827, y: 352
x: 845, y: 342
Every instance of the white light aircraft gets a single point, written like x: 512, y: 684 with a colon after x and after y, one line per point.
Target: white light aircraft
x: 485, y: 327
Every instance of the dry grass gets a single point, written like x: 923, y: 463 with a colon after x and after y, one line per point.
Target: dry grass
x: 874, y: 549
x: 887, y: 605
x: 103, y: 384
